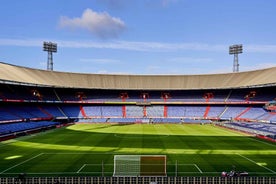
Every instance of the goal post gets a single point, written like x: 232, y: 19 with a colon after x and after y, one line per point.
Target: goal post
x: 140, y: 165
x: 126, y: 165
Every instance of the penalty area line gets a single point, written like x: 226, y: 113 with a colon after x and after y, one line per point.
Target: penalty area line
x: 21, y: 163
x: 195, y: 167
x: 256, y: 163
x: 84, y: 165
x: 198, y: 168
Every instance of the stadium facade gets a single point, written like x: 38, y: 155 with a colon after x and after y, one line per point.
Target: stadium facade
x: 29, y: 76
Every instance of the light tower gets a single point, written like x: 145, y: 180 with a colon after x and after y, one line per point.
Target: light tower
x: 235, y: 49
x: 50, y: 48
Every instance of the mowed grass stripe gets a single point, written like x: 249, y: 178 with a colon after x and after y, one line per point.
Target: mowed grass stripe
x: 66, y: 150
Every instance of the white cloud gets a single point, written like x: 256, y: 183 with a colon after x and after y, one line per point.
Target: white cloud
x: 113, y: 73
x: 145, y: 46
x: 137, y: 46
x: 115, y: 4
x: 153, y: 68
x: 100, y: 24
x: 43, y: 64
x: 260, y: 48
x: 21, y: 42
x: 195, y: 60
x: 100, y: 61
x: 252, y: 67
x: 102, y: 72
x: 167, y: 2
x: 258, y: 66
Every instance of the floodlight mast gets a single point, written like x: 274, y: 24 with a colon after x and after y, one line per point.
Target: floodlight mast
x: 235, y: 49
x: 50, y: 48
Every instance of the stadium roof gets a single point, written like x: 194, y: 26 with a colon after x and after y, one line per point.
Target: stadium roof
x: 29, y: 76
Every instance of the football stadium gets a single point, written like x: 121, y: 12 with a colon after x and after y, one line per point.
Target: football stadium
x: 62, y: 127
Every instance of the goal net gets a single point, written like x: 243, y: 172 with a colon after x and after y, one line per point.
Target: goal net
x: 139, y: 165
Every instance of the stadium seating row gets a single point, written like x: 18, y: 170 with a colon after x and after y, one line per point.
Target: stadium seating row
x: 267, y: 129
x: 22, y: 104
x: 22, y: 112
x: 11, y: 128
x: 21, y: 92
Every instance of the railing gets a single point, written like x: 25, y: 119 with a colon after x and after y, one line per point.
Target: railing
x: 139, y: 180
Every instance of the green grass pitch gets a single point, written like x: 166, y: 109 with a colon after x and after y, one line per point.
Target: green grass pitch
x: 88, y: 149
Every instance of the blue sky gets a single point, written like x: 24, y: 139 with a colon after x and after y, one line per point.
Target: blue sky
x: 139, y: 36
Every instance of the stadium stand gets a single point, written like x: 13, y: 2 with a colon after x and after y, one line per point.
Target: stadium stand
x: 267, y: 129
x: 10, y: 128
x: 113, y: 98
x: 93, y: 111
x: 72, y: 111
x: 33, y: 100
x: 216, y: 111
x: 253, y: 113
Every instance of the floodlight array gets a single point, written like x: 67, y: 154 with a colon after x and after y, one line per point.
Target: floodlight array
x: 235, y: 49
x: 49, y: 46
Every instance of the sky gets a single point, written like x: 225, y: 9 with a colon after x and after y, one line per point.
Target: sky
x: 158, y: 37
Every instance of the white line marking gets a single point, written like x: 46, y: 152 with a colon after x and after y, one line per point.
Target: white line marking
x: 131, y: 136
x: 51, y: 173
x: 81, y: 168
x: 22, y: 163
x: 198, y: 168
x: 84, y: 165
x: 255, y: 163
x: 257, y: 140
x: 106, y: 153
x: 195, y: 167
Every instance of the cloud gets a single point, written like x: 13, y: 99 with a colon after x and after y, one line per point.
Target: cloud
x: 119, y: 4
x: 145, y: 46
x: 186, y: 60
x: 21, y: 42
x: 258, y: 66
x: 138, y: 46
x: 102, y: 72
x: 100, y: 61
x: 43, y: 64
x: 153, y: 67
x: 100, y: 24
x: 260, y: 48
x: 115, y: 4
x: 167, y: 2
